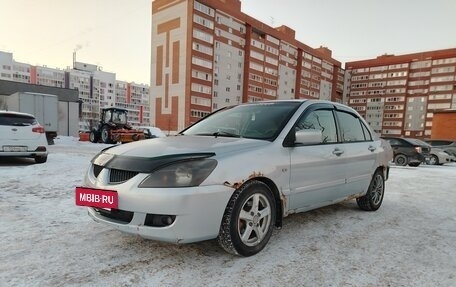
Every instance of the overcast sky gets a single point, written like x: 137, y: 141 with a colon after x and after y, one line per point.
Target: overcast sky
x: 115, y: 34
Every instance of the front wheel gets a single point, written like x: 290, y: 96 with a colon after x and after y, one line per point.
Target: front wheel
x: 106, y: 135
x: 93, y: 136
x: 374, y: 196
x: 249, y: 219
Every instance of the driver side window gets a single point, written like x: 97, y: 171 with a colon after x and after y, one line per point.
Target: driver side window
x: 320, y: 120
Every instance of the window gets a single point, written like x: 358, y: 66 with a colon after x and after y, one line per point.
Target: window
x: 321, y: 120
x: 351, y: 129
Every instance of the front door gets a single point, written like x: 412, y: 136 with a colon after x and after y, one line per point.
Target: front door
x: 317, y: 172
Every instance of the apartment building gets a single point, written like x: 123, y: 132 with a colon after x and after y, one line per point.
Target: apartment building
x: 398, y: 95
x: 207, y: 54
x: 97, y: 89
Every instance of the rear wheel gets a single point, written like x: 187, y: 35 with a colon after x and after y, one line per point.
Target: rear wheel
x: 434, y: 160
x: 40, y: 159
x: 400, y: 160
x: 374, y: 196
x: 248, y: 220
x: 106, y: 135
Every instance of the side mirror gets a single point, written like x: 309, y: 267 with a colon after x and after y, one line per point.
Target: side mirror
x: 308, y: 137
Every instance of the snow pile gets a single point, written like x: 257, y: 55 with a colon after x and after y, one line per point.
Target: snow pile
x: 46, y: 240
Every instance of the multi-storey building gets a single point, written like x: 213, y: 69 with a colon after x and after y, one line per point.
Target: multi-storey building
x: 207, y: 54
x: 97, y: 89
x: 398, y: 95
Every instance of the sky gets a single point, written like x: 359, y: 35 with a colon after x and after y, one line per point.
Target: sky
x: 115, y: 34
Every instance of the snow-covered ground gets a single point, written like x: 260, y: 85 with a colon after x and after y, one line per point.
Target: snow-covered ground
x: 46, y: 240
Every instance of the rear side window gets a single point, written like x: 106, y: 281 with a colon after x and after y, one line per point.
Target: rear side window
x: 16, y: 120
x: 351, y: 129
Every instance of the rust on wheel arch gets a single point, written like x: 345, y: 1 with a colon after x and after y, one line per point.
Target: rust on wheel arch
x: 237, y: 185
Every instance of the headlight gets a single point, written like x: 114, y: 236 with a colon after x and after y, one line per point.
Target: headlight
x: 180, y: 174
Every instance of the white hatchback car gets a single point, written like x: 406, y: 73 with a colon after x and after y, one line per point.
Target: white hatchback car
x: 22, y: 136
x: 235, y: 174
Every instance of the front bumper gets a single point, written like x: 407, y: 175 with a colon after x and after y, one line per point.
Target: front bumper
x: 197, y: 211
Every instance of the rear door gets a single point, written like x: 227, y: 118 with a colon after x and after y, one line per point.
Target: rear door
x: 360, y: 151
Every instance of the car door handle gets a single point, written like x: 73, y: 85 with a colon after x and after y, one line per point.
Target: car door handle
x: 372, y: 148
x: 338, y: 151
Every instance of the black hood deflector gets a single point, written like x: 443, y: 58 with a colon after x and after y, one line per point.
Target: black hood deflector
x: 144, y: 164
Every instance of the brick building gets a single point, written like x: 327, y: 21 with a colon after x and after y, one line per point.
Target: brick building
x: 398, y: 95
x: 207, y: 54
x: 444, y: 125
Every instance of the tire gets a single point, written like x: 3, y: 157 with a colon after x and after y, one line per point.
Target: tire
x: 105, y: 135
x: 374, y: 196
x: 41, y: 159
x: 414, y: 164
x: 94, y: 137
x: 433, y: 160
x: 243, y: 218
x: 400, y: 160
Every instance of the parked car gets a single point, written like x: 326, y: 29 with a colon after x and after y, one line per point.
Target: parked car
x: 447, y: 145
x: 409, y: 151
x: 236, y: 173
x: 152, y: 132
x: 22, y: 136
x: 439, y: 156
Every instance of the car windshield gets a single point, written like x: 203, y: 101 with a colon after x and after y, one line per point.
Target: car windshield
x: 257, y: 121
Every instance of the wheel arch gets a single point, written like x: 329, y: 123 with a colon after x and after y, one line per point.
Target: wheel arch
x: 384, y: 170
x: 279, y: 198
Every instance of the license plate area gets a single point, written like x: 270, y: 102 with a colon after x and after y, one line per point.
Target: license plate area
x: 14, y: 148
x: 93, y: 197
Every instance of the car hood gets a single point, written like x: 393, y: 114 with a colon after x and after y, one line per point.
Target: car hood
x: 186, y: 145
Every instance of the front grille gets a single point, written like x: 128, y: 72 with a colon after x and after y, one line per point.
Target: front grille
x: 116, y: 214
x: 118, y: 176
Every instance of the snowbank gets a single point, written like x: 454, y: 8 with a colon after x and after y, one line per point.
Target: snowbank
x: 46, y: 240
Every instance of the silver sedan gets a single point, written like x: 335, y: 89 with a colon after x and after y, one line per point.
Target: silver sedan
x: 237, y: 173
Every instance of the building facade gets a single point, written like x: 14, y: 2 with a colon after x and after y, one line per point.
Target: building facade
x: 97, y: 89
x: 207, y: 54
x: 398, y: 95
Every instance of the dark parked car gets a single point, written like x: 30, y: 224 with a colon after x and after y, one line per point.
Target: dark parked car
x: 408, y: 151
x: 448, y: 146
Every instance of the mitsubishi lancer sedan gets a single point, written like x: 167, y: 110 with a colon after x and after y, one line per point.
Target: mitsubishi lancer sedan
x: 234, y: 175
